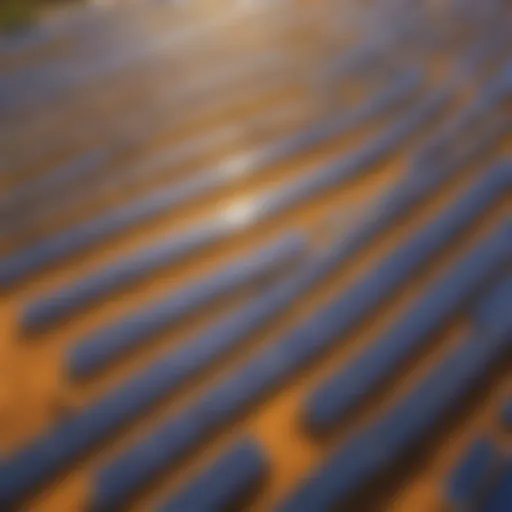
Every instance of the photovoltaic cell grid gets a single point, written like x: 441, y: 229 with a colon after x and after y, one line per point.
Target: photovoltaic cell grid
x: 256, y: 256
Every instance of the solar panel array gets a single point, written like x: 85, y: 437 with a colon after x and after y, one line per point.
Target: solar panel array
x: 256, y: 256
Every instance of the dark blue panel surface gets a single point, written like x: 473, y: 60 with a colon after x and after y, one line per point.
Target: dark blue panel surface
x: 497, y: 304
x: 501, y: 497
x: 507, y: 415
x: 473, y: 475
x: 221, y: 486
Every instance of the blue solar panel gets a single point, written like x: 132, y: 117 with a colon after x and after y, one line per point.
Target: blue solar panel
x: 501, y: 497
x: 474, y: 475
x: 226, y: 482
